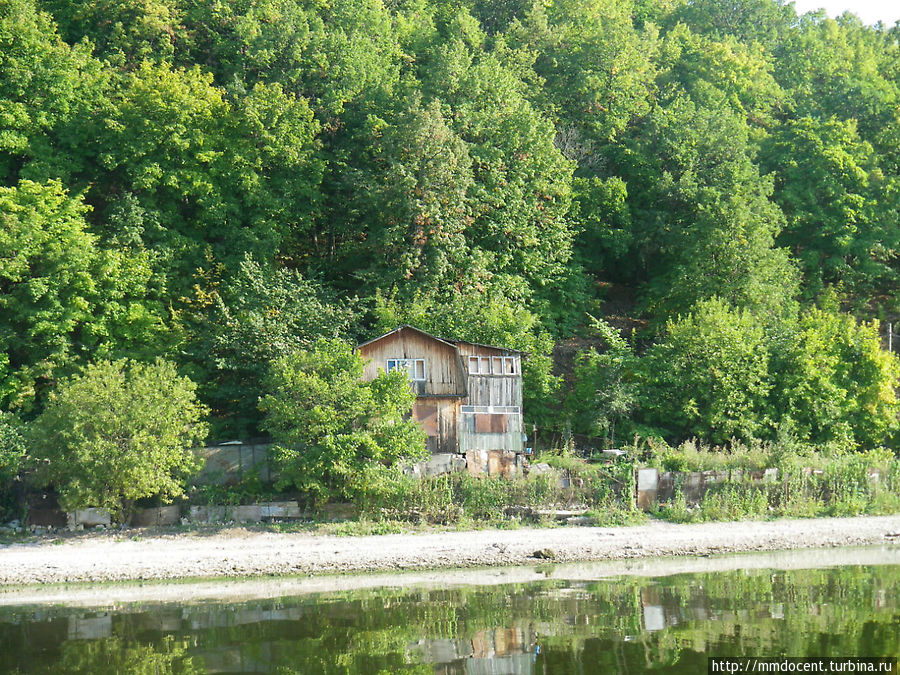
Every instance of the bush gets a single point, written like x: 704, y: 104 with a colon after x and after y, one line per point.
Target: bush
x: 12, y: 447
x: 709, y: 376
x: 835, y: 382
x: 835, y: 482
x: 119, y: 431
x: 12, y: 459
x: 335, y: 434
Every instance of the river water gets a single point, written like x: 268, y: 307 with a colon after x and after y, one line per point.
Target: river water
x: 553, y: 623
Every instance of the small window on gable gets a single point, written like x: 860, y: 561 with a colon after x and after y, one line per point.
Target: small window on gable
x: 415, y: 368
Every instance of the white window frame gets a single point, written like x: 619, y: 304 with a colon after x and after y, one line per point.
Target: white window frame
x: 482, y: 365
x: 505, y: 365
x: 494, y: 365
x: 411, y: 366
x: 491, y: 409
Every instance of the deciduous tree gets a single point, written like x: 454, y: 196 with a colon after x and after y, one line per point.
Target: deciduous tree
x: 117, y: 432
x: 333, y: 430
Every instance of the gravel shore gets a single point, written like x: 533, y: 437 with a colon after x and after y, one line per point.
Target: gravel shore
x: 238, y: 552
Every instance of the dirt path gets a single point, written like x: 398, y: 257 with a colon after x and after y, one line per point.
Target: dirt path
x: 240, y: 553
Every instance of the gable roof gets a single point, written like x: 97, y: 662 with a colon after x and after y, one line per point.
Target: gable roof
x: 448, y: 342
x: 406, y: 327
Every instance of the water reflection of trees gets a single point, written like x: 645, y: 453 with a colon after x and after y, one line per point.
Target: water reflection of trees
x: 622, y: 625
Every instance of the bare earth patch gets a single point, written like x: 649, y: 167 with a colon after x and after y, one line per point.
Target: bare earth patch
x: 238, y: 552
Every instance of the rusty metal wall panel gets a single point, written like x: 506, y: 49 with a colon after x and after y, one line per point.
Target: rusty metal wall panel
x: 426, y: 415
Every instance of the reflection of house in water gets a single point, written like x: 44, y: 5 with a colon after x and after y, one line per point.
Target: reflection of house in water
x: 655, y: 615
x: 500, y: 651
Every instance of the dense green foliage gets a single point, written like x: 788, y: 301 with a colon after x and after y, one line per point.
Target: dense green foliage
x: 117, y: 432
x: 12, y: 447
x: 223, y: 184
x: 335, y: 434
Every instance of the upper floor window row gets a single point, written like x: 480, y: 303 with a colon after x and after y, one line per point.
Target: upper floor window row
x: 493, y: 365
x: 415, y: 368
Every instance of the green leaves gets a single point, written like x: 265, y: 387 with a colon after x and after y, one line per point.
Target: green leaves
x: 12, y: 447
x: 406, y: 225
x: 709, y: 376
x: 703, y: 223
x: 843, y: 212
x: 254, y: 317
x: 44, y: 84
x: 332, y: 430
x: 720, y: 373
x: 47, y: 287
x: 117, y: 432
x: 228, y: 181
x: 836, y: 382
x: 605, y: 387
x: 62, y: 295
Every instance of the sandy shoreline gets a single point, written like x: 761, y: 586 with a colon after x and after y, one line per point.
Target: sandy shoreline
x: 237, y: 552
x: 122, y: 594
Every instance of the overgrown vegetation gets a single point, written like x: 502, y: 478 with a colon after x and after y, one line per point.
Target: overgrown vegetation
x: 224, y: 185
x: 118, y: 432
x: 806, y: 483
x: 335, y: 434
x: 600, y: 495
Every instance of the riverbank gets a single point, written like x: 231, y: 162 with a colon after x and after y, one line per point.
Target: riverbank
x: 112, y: 556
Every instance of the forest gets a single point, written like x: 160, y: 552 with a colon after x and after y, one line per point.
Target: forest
x: 686, y: 212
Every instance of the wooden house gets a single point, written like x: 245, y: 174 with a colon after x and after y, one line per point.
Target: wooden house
x: 468, y: 395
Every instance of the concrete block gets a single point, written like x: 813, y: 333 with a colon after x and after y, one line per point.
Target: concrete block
x: 163, y: 515
x: 495, y: 463
x: 540, y: 468
x: 665, y: 487
x: 647, y: 479
x: 250, y: 513
x: 442, y: 463
x: 208, y: 514
x: 477, y: 462
x: 280, y: 510
x: 89, y: 517
x: 647, y: 488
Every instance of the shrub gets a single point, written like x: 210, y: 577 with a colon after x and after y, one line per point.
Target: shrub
x: 12, y: 458
x: 335, y: 434
x: 119, y: 431
x: 709, y: 376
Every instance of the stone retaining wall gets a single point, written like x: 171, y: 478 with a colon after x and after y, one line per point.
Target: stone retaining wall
x: 657, y: 487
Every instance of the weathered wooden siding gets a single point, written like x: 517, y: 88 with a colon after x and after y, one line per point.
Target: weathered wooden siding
x: 502, y: 390
x: 470, y: 440
x: 443, y: 371
x: 491, y: 389
x: 440, y: 419
x: 458, y: 410
x: 480, y: 430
